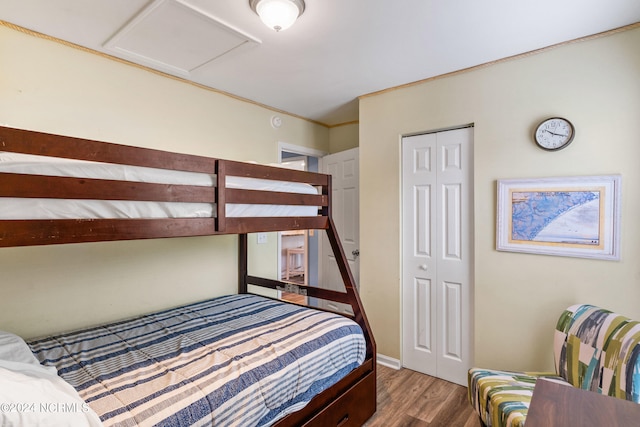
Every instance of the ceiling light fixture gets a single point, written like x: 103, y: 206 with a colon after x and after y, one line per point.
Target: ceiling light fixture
x: 278, y: 14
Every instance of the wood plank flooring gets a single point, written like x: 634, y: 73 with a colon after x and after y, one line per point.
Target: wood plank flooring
x: 410, y: 399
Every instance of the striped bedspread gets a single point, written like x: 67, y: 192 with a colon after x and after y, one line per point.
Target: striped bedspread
x: 238, y: 360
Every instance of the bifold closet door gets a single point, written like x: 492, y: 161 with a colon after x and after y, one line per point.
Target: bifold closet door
x: 437, y: 202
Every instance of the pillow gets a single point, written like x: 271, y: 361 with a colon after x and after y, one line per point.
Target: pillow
x: 14, y: 349
x: 32, y: 394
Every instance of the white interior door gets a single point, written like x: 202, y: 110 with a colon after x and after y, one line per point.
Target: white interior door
x: 344, y: 170
x: 437, y: 254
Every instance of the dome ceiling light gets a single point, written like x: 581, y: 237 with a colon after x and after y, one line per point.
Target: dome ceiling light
x: 278, y: 14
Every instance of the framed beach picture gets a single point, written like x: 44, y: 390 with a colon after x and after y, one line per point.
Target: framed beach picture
x: 573, y: 216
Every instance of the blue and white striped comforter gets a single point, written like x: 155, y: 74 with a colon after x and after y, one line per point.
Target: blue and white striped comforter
x: 238, y: 360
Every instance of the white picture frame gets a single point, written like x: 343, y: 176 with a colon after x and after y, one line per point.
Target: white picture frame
x: 568, y: 216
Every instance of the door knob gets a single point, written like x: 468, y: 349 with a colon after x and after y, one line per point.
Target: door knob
x: 355, y: 252
x: 423, y: 267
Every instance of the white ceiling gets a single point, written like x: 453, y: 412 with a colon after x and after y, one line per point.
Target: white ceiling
x: 337, y: 51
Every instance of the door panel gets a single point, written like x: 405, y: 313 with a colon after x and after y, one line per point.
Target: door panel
x: 452, y: 339
x: 437, y: 248
x: 345, y: 182
x: 451, y: 219
x: 422, y: 240
x: 423, y: 340
x: 419, y: 323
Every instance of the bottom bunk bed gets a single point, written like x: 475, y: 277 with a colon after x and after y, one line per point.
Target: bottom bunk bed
x: 239, y: 360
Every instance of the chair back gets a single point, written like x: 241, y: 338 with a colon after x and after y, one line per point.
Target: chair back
x: 598, y: 350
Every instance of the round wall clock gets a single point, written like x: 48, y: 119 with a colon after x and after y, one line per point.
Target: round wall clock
x: 554, y: 133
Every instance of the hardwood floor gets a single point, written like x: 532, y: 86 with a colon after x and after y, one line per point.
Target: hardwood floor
x: 298, y: 299
x: 410, y: 399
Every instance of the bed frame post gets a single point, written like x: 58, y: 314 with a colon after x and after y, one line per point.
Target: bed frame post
x: 221, y: 199
x: 242, y: 263
x: 326, y: 191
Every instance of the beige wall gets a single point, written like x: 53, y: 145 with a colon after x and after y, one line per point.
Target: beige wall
x: 518, y: 297
x: 343, y: 137
x: 50, y: 87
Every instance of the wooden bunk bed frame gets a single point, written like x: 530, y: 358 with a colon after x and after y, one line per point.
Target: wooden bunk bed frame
x: 352, y: 400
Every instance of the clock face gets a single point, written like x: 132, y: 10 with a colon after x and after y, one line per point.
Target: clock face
x: 554, y: 133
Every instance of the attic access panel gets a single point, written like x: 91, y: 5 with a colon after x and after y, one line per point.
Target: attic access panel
x: 177, y: 38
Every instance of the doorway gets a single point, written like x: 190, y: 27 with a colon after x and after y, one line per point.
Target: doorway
x: 298, y: 250
x: 312, y: 246
x: 437, y: 253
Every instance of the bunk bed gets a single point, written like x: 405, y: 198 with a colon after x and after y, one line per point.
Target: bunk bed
x: 80, y: 181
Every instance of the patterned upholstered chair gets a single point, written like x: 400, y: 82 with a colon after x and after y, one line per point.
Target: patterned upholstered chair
x: 594, y: 349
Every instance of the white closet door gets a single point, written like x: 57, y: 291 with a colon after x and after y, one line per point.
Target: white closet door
x: 437, y: 262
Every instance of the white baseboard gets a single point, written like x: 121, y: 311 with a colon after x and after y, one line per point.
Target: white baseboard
x: 389, y: 362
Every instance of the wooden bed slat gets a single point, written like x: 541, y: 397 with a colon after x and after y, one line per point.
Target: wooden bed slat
x: 57, y: 231
x: 264, y: 224
x: 32, y: 142
x: 274, y: 198
x: 54, y: 187
x: 312, y: 291
x: 251, y: 170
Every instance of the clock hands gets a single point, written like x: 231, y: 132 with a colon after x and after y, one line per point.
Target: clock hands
x: 555, y: 134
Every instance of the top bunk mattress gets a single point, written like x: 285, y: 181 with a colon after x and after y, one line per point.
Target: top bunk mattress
x: 41, y: 208
x: 238, y: 360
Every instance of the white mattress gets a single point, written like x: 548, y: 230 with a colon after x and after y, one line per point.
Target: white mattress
x: 18, y: 208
